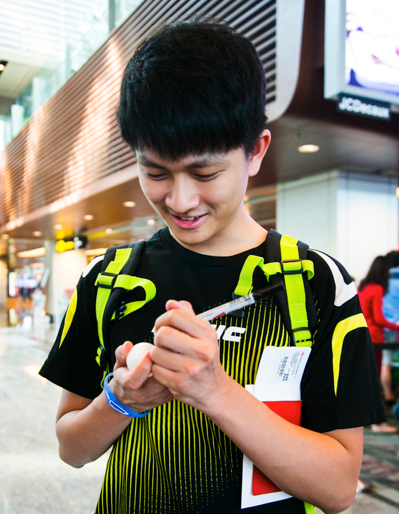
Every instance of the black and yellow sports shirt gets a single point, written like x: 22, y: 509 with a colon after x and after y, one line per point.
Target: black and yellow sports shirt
x: 176, y: 460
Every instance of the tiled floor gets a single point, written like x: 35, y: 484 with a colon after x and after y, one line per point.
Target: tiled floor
x: 33, y: 480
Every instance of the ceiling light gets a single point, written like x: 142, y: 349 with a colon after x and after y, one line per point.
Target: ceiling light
x: 58, y: 227
x: 308, y: 148
x: 108, y: 231
x: 151, y: 222
x: 397, y: 194
x: 2, y: 65
x: 5, y: 236
x: 37, y: 233
x: 129, y: 204
x: 89, y: 217
x: 36, y: 252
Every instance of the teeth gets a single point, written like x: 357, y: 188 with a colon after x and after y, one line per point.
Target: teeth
x: 189, y: 219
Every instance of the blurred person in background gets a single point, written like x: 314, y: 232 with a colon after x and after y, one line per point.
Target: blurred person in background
x: 390, y: 308
x: 371, y: 292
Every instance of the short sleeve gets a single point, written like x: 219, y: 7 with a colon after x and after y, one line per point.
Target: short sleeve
x: 71, y: 363
x: 340, y: 386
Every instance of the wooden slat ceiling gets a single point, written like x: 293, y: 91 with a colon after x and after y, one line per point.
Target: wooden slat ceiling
x: 73, y: 140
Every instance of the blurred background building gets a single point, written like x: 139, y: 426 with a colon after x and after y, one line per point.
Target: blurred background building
x: 68, y: 183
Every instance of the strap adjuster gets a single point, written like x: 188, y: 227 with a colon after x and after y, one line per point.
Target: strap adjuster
x: 292, y: 267
x: 300, y: 328
x: 109, y: 284
x: 306, y: 337
x: 120, y: 312
x: 101, y: 358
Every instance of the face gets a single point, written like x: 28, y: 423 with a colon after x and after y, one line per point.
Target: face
x: 199, y: 197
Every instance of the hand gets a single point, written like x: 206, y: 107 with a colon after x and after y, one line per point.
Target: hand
x: 135, y: 388
x: 186, y: 356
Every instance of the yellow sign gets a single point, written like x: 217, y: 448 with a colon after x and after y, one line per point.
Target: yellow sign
x: 77, y: 243
x: 62, y: 246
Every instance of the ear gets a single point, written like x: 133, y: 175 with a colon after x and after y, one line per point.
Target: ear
x: 255, y: 159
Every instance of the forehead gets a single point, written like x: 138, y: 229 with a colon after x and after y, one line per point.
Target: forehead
x: 148, y: 158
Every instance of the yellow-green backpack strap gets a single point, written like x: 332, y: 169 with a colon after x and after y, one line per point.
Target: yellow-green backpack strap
x: 309, y: 509
x: 129, y: 283
x: 286, y: 257
x: 292, y: 270
x: 120, y: 264
x: 244, y: 285
x: 105, y: 283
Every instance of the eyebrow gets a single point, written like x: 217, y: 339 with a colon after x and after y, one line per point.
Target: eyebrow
x: 203, y: 162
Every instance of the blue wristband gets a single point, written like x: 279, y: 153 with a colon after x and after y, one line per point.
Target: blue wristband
x: 117, y: 405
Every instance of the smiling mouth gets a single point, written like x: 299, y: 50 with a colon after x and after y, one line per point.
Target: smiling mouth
x: 186, y: 218
x: 187, y: 221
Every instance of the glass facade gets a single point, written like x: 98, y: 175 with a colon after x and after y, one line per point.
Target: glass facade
x: 81, y: 39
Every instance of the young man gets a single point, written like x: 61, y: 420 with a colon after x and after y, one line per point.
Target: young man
x: 193, y: 109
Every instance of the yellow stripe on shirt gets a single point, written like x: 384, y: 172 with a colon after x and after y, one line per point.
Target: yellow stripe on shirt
x: 69, y: 315
x: 341, y: 330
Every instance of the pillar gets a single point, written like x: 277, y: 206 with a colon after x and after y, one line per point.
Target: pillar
x: 17, y: 119
x: 352, y: 217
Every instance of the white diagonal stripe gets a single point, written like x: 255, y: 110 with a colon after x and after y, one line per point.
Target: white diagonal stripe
x: 92, y: 264
x: 343, y: 291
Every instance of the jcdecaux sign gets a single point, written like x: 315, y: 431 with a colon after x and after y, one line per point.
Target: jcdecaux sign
x: 364, y: 107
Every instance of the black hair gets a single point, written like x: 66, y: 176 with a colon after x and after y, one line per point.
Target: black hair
x: 393, y: 258
x: 377, y: 274
x: 193, y: 87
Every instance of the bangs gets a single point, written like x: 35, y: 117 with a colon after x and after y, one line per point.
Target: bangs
x: 192, y: 89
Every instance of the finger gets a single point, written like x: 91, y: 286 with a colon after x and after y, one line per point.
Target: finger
x: 172, y: 340
x: 183, y: 320
x: 166, y: 377
x: 121, y: 354
x: 169, y: 359
x: 150, y: 395
x: 154, y: 391
x: 140, y: 373
x: 175, y: 341
x: 182, y: 304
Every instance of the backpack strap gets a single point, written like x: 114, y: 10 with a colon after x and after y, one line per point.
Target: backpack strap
x: 286, y: 257
x: 117, y: 277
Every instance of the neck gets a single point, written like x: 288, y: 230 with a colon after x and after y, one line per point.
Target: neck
x: 234, y: 239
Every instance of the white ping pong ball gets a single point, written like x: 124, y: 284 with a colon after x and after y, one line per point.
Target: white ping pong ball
x: 137, y: 354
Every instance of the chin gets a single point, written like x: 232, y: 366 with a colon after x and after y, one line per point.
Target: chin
x: 188, y: 238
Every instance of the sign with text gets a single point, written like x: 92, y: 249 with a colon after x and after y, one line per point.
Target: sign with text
x: 364, y: 107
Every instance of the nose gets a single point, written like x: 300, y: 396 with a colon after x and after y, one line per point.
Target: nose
x: 182, y: 195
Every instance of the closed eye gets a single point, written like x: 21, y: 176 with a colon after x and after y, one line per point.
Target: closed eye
x: 156, y: 176
x: 208, y: 176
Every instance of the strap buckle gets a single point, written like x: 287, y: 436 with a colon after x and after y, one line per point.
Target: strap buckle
x: 292, y: 267
x: 120, y: 312
x: 110, y: 283
x: 101, y: 358
x: 301, y: 329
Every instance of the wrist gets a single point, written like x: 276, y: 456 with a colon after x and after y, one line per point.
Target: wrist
x: 115, y: 404
x: 220, y: 397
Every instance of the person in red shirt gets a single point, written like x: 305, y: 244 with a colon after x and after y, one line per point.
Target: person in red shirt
x: 371, y: 292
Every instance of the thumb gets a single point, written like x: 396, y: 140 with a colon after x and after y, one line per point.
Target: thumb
x: 121, y: 354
